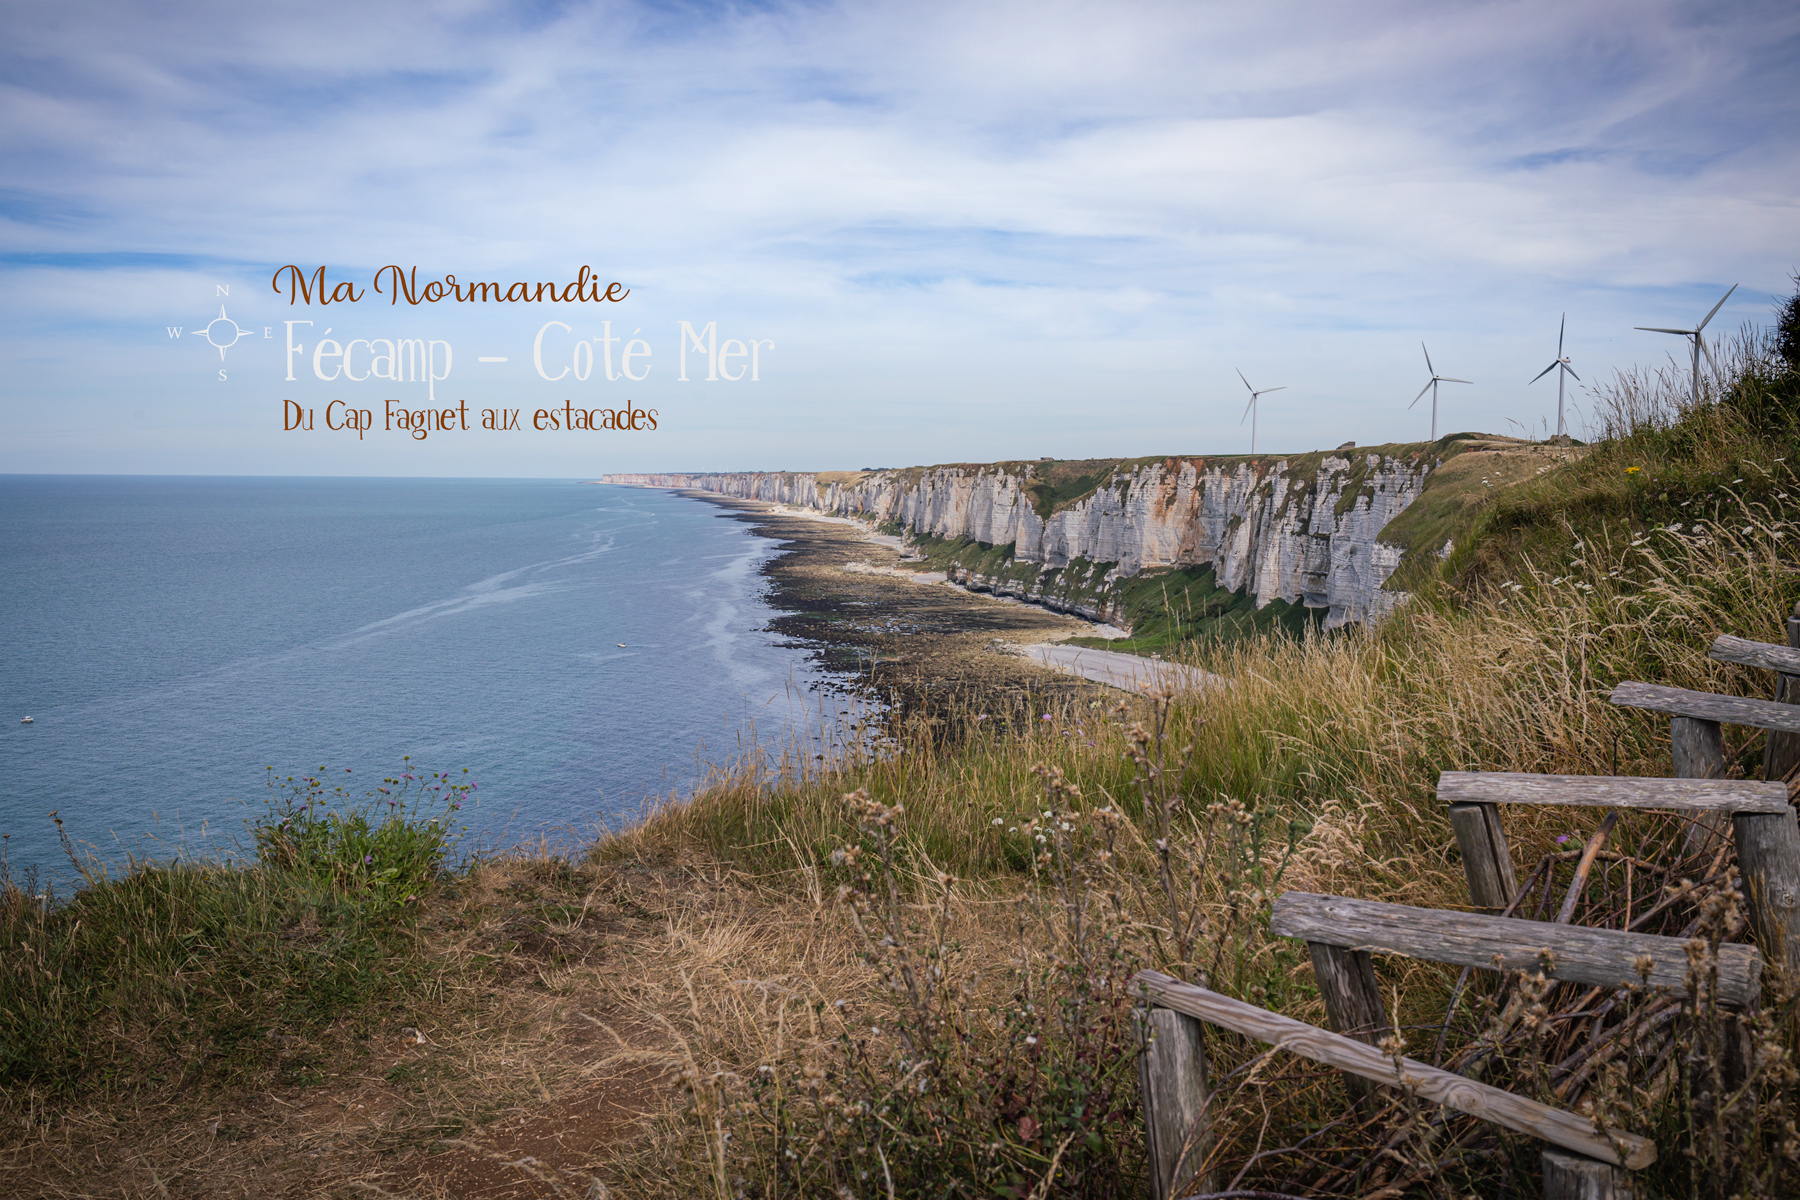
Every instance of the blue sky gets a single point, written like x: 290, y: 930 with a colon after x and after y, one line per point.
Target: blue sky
x: 971, y: 231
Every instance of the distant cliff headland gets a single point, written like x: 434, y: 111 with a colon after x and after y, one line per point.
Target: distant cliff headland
x: 1324, y: 531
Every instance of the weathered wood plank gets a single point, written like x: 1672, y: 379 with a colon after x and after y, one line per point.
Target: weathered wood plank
x: 1726, y: 648
x: 1517, y: 1113
x: 1733, y: 710
x: 1597, y: 957
x: 1610, y: 791
x: 1577, y: 1177
x: 1768, y: 850
x: 1175, y: 1092
x: 1487, y: 861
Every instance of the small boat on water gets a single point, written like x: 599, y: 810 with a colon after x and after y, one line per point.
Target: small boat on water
x: 621, y: 646
x: 24, y: 720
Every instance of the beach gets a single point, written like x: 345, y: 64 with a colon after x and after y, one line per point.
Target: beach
x: 906, y: 637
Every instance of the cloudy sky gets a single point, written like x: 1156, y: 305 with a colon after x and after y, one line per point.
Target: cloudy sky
x: 960, y: 231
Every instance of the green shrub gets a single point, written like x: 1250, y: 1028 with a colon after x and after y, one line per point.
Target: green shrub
x: 380, y: 858
x: 171, y: 975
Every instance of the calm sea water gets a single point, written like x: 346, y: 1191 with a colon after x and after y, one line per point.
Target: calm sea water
x: 172, y: 637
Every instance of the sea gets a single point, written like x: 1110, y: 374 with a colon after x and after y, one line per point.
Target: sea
x: 583, y: 650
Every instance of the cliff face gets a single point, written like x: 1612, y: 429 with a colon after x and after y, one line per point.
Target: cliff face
x: 1305, y: 530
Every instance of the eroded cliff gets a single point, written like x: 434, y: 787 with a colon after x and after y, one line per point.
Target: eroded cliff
x: 1305, y: 529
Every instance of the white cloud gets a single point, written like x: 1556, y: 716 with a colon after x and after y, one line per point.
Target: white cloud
x: 984, y: 213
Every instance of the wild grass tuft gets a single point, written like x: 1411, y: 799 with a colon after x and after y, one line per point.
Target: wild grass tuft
x: 185, y: 975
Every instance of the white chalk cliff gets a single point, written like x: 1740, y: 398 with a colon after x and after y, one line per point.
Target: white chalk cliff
x: 1306, y: 534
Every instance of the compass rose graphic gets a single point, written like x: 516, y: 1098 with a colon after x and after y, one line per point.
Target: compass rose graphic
x: 222, y: 333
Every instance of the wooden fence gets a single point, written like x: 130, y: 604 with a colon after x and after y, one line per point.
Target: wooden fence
x: 1341, y: 933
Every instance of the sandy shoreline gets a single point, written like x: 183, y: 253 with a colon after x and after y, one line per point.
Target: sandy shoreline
x: 869, y: 567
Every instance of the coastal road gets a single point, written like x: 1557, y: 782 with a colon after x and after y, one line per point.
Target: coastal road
x: 1128, y: 672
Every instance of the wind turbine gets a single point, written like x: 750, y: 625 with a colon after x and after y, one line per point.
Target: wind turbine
x: 1250, y: 409
x: 1562, y: 360
x: 1432, y: 388
x: 1699, y: 342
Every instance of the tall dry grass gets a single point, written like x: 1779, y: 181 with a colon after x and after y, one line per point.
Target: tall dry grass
x: 1685, y: 528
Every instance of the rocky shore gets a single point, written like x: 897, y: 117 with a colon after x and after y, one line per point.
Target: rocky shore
x: 915, y: 643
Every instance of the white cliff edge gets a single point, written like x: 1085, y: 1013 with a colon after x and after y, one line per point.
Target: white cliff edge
x: 1275, y: 532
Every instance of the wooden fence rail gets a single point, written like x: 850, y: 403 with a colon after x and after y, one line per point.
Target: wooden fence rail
x: 1497, y: 1105
x: 1598, y: 957
x: 1582, y: 1163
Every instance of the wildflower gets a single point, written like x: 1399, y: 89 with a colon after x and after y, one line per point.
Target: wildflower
x: 368, y: 858
x: 1561, y: 838
x: 998, y: 821
x: 1633, y: 470
x: 1046, y: 716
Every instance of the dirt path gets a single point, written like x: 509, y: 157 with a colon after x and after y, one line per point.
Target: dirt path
x: 1128, y: 672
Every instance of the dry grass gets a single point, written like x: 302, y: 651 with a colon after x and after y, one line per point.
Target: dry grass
x: 700, y: 996
x: 1345, y: 735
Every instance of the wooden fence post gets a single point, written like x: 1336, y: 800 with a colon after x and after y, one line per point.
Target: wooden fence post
x: 1172, y: 1082
x: 1487, y: 862
x: 1575, y: 1177
x: 1768, y: 851
x: 1352, y: 998
x: 1781, y: 750
x: 1698, y: 748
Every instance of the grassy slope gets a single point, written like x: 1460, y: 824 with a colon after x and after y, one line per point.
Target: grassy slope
x: 1561, y: 583
x: 1567, y: 577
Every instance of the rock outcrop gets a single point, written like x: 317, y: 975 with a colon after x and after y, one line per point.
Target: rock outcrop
x: 1304, y: 529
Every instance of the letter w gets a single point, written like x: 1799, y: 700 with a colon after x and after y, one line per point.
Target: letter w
x: 174, y: 330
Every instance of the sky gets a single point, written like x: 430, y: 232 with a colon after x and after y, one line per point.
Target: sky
x: 955, y: 232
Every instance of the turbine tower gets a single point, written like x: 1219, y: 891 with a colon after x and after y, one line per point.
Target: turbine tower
x: 1561, y: 360
x: 1432, y: 386
x: 1250, y: 409
x: 1699, y: 342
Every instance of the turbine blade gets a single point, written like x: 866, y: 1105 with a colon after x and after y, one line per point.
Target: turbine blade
x: 1571, y: 370
x: 1447, y: 379
x: 1545, y: 371
x: 1247, y: 409
x: 1559, y: 334
x: 1653, y: 329
x: 1246, y: 382
x: 1266, y: 391
x: 1428, y: 365
x: 1421, y: 395
x: 1715, y: 308
x: 1709, y: 358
